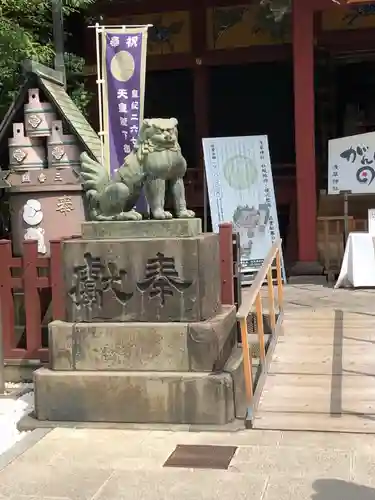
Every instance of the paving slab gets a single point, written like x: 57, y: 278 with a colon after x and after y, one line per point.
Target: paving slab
x: 364, y: 466
x: 332, y: 440
x: 20, y: 447
x: 38, y: 480
x: 296, y: 461
x: 184, y: 485
x: 316, y: 489
x: 318, y: 296
x: 33, y: 497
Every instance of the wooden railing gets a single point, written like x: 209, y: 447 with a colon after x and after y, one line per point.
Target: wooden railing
x: 253, y: 298
x: 31, y: 295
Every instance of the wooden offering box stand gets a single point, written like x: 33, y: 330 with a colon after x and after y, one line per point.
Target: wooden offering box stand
x: 45, y: 205
x: 45, y: 133
x: 45, y: 194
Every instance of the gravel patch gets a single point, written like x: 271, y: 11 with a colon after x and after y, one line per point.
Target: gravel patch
x: 11, y: 412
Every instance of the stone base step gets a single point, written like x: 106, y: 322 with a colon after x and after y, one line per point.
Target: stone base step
x: 202, y: 346
x: 195, y: 398
x: 137, y: 397
x: 234, y: 366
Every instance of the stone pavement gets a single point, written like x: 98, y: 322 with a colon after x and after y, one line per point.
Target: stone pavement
x: 83, y: 464
x: 318, y: 296
x: 98, y: 464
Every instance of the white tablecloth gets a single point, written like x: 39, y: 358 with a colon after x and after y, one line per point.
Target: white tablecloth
x: 358, y: 265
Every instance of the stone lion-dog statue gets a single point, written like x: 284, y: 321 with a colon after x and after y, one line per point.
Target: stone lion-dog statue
x: 155, y: 159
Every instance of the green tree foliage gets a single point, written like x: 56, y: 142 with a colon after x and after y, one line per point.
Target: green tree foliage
x: 26, y: 33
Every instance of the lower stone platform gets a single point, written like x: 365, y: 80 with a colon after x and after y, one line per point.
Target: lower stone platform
x: 137, y: 397
x: 196, y: 346
x: 168, y: 228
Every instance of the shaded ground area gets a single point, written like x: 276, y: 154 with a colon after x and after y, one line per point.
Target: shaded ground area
x: 80, y: 464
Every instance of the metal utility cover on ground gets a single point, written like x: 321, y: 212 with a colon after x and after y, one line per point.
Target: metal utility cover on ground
x: 201, y: 457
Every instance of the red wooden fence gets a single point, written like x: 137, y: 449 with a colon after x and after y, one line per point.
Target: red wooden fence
x: 31, y: 294
x: 30, y: 289
x: 226, y: 263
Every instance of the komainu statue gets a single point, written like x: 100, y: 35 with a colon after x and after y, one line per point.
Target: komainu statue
x: 155, y: 159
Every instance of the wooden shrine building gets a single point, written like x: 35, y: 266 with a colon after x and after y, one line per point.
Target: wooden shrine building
x: 226, y: 68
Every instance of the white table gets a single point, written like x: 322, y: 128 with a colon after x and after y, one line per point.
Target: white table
x: 358, y: 265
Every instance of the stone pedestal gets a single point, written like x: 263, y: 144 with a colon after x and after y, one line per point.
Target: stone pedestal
x: 146, y: 338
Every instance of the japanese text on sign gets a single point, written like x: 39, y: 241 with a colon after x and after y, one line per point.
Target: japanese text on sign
x: 124, y: 71
x: 352, y: 164
x: 267, y: 191
x: 128, y: 109
x: 217, y: 187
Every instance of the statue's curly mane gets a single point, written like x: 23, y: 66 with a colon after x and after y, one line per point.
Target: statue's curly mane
x: 157, y: 149
x: 148, y: 146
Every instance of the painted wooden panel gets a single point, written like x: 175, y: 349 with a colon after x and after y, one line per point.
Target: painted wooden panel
x: 170, y: 33
x: 350, y: 17
x: 240, y: 26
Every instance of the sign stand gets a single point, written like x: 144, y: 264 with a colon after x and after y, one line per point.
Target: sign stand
x: 240, y: 190
x: 205, y: 203
x: 371, y: 221
x: 248, y: 273
x: 346, y: 213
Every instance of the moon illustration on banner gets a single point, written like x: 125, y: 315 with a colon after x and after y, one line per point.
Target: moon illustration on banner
x: 122, y: 66
x: 240, y: 172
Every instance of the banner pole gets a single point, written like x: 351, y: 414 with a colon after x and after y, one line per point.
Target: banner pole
x: 99, y: 82
x: 123, y: 55
x: 124, y: 26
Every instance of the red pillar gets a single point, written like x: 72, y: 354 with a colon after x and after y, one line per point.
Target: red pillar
x: 303, y: 67
x: 198, y: 37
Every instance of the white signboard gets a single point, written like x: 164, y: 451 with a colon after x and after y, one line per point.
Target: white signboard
x: 351, y: 164
x: 371, y: 221
x: 240, y: 187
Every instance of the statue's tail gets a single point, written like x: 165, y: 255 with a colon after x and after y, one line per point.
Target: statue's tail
x: 94, y: 176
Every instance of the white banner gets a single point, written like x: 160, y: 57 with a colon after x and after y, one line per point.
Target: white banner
x: 351, y: 164
x: 240, y: 189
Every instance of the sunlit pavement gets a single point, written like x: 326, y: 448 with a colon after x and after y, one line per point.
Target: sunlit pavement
x: 123, y: 464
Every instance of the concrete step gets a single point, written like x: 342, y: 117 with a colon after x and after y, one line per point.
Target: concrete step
x: 134, y: 397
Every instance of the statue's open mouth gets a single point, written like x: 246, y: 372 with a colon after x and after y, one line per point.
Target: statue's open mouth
x: 167, y: 144
x: 163, y: 141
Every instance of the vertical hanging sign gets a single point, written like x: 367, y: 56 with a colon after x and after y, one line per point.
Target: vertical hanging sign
x: 124, y: 53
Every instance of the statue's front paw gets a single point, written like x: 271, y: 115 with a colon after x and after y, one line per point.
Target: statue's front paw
x: 131, y: 215
x: 137, y: 215
x: 186, y: 214
x: 161, y: 215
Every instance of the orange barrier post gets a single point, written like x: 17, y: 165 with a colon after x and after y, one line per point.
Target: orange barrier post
x: 253, y: 298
